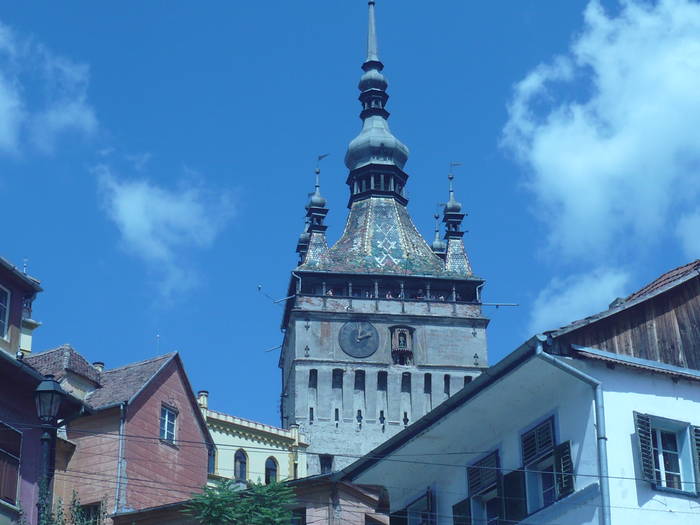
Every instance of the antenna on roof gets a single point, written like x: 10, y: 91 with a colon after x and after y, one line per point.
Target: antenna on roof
x: 158, y: 342
x: 26, y: 265
x: 267, y: 296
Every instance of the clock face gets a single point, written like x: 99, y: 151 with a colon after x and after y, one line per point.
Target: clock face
x: 358, y: 338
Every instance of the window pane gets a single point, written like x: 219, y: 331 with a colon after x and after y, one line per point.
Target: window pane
x: 671, y: 463
x: 673, y: 481
x: 548, y: 491
x: 668, y: 441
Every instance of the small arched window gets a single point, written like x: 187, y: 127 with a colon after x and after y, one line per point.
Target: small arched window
x: 402, y: 340
x: 270, y: 471
x: 240, y: 465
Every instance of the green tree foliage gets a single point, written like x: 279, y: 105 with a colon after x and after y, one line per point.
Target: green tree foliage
x: 257, y: 505
x: 73, y: 515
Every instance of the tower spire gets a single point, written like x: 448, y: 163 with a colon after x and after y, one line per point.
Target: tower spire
x: 372, y: 47
x: 375, y: 157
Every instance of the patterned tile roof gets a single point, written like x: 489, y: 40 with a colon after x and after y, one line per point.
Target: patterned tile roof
x: 61, y: 360
x: 380, y: 238
x: 121, y: 384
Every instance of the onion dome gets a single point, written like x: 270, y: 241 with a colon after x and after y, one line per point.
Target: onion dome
x: 316, y: 200
x: 452, y: 206
x: 439, y: 246
x: 375, y: 144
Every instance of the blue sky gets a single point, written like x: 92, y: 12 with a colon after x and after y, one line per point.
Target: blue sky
x: 155, y: 160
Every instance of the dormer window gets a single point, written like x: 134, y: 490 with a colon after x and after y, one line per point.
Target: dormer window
x: 4, y: 311
x: 402, y: 345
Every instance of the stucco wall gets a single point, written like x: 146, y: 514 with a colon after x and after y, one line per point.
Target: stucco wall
x: 495, y: 420
x: 625, y: 391
x: 258, y: 446
x: 448, y: 339
x: 18, y: 411
x: 91, y: 468
x: 158, y: 473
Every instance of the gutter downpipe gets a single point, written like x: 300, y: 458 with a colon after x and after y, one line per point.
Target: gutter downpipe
x: 602, y: 439
x: 120, y: 456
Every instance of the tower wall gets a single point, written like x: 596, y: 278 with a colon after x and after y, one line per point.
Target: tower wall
x: 448, y: 339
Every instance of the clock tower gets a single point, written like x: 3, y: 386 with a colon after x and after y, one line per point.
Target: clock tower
x: 381, y: 327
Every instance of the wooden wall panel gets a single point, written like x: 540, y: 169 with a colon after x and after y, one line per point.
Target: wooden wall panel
x: 664, y: 328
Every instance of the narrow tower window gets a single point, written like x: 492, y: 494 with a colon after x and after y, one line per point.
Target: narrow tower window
x: 313, y: 378
x: 406, y: 382
x: 381, y: 381
x: 428, y: 384
x: 447, y: 385
x: 337, y: 378
x: 359, y: 380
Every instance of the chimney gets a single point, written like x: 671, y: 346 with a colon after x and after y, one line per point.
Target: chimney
x: 203, y: 398
x: 99, y: 366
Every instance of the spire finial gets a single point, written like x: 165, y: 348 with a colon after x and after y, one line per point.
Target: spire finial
x: 452, y: 204
x: 372, y: 47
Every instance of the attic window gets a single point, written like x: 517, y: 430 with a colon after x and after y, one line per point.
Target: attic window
x: 168, y: 416
x: 4, y: 311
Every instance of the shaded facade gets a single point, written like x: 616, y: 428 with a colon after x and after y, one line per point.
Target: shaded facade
x: 381, y: 326
x: 17, y: 293
x: 145, y: 442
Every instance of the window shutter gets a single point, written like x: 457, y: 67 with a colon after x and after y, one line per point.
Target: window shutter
x: 563, y: 469
x: 399, y: 518
x: 514, y: 496
x: 462, y: 512
x: 696, y: 456
x: 642, y: 424
x: 9, y: 471
x: 538, y: 441
x: 483, y: 474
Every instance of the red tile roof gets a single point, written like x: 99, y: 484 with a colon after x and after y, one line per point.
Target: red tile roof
x: 112, y: 386
x: 121, y: 384
x: 666, y: 279
x: 61, y: 360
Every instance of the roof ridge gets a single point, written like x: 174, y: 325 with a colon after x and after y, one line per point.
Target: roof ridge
x: 137, y: 363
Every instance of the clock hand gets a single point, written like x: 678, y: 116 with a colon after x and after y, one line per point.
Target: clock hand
x: 365, y: 336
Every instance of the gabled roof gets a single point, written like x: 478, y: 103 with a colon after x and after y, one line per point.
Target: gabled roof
x: 661, y: 284
x: 27, y: 280
x: 61, y: 360
x: 126, y: 382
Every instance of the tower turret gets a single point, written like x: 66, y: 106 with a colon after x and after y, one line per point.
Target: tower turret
x: 316, y: 212
x: 456, y: 260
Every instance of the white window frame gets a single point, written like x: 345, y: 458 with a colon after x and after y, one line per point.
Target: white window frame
x: 5, y: 328
x: 166, y: 410
x: 684, y: 444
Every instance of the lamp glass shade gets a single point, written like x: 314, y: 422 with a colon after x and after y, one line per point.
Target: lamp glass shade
x: 48, y: 396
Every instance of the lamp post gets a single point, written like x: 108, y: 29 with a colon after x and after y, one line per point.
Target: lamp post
x: 48, y: 396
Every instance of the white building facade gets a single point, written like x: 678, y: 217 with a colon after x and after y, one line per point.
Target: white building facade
x: 589, y: 437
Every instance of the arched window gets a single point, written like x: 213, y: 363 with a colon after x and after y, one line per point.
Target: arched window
x: 240, y: 466
x: 270, y: 471
x: 402, y: 340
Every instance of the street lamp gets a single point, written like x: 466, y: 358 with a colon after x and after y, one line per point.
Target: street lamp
x: 48, y: 396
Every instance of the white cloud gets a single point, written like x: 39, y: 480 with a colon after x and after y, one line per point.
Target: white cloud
x: 688, y: 232
x: 42, y: 95
x: 608, y: 132
x: 160, y: 225
x: 577, y: 296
